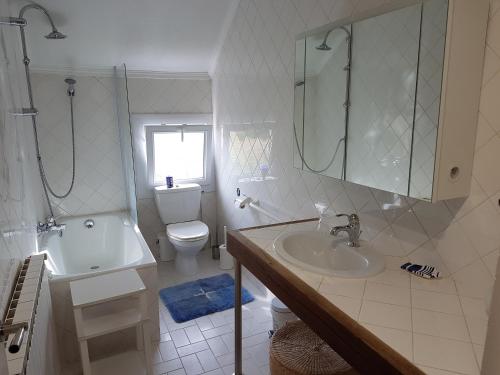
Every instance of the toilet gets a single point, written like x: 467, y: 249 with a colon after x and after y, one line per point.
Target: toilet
x: 179, y: 207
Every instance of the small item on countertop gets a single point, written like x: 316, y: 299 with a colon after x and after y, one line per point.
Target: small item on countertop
x: 427, y: 272
x: 170, y: 182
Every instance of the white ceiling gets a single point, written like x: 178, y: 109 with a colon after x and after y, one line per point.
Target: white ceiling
x: 151, y: 35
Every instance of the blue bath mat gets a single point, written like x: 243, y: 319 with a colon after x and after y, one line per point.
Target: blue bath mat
x: 201, y: 297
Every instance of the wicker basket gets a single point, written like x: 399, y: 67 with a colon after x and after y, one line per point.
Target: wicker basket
x: 295, y: 349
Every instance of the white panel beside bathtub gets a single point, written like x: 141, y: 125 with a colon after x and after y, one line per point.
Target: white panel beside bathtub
x: 43, y: 357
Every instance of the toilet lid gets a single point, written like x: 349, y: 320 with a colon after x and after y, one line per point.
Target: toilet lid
x: 188, y: 231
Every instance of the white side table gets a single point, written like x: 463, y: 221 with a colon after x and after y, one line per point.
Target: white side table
x: 109, y: 303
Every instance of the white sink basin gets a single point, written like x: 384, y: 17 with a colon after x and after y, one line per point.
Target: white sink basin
x: 322, y: 253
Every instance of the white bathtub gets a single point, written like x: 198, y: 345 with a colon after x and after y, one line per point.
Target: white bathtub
x: 113, y: 243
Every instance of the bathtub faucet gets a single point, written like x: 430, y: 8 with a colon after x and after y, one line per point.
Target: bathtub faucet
x: 50, y: 225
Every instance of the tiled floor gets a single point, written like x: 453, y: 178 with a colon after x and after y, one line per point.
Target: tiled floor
x: 206, y: 345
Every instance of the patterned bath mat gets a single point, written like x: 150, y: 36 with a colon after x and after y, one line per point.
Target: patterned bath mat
x: 198, y: 298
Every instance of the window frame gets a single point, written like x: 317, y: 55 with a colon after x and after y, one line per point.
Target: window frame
x: 151, y: 129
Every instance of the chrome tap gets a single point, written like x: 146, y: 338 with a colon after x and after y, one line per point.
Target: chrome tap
x: 353, y: 229
x: 50, y: 225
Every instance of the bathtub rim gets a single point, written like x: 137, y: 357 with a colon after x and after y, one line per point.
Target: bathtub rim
x: 147, y: 260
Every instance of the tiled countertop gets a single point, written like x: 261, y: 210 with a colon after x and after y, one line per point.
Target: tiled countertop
x: 423, y: 320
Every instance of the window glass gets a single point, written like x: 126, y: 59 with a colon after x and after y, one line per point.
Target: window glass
x: 180, y: 155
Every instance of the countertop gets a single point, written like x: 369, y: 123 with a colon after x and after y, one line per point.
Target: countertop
x: 424, y: 321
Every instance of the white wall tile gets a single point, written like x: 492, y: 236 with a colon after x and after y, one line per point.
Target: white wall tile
x: 253, y: 92
x: 22, y: 202
x: 99, y: 182
x: 164, y: 96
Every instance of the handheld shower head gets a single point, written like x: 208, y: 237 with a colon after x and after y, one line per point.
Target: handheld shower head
x: 71, y: 86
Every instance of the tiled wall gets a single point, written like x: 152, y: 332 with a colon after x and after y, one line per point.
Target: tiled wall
x: 99, y: 184
x: 253, y: 95
x: 163, y: 96
x: 99, y: 175
x: 21, y: 199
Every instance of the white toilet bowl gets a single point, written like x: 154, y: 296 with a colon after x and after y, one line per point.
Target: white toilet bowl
x: 188, y: 239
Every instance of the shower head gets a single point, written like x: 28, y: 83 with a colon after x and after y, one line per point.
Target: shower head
x: 55, y: 34
x: 325, y: 47
x: 71, y: 86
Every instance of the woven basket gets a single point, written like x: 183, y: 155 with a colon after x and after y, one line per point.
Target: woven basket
x: 295, y: 349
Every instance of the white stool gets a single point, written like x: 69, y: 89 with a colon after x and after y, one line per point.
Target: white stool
x: 109, y: 303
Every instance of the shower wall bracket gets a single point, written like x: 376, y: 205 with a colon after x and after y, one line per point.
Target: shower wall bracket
x: 24, y: 112
x: 13, y: 21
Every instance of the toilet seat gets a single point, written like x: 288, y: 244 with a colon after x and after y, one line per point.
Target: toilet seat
x: 188, y: 231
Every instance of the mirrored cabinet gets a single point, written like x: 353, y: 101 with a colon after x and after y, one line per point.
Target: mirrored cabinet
x: 390, y: 100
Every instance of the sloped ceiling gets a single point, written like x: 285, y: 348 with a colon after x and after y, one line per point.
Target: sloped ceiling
x: 151, y: 35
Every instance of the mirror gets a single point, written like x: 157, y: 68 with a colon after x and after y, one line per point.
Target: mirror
x: 368, y: 97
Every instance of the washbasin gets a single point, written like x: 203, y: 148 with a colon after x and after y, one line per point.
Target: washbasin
x: 322, y: 253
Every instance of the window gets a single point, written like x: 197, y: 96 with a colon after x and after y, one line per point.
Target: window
x: 180, y: 151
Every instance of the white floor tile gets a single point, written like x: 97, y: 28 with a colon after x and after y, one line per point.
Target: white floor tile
x: 218, y: 331
x: 204, y: 323
x: 165, y: 337
x: 180, y: 338
x: 207, y: 360
x: 217, y: 346
x: 167, y: 350
x: 194, y: 334
x: 215, y: 372
x: 192, y: 348
x: 177, y: 372
x: 165, y: 367
x: 191, y: 365
x: 206, y: 344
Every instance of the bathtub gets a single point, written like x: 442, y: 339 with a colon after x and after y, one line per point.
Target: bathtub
x: 113, y: 243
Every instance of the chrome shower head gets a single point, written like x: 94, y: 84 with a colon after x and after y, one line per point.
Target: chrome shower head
x: 71, y: 86
x: 324, y: 47
x: 55, y: 34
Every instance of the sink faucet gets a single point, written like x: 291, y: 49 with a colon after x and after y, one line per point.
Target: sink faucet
x: 353, y: 229
x: 50, y: 225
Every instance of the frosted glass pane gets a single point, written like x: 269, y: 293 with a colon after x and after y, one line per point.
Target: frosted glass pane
x: 125, y: 131
x: 179, y: 156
